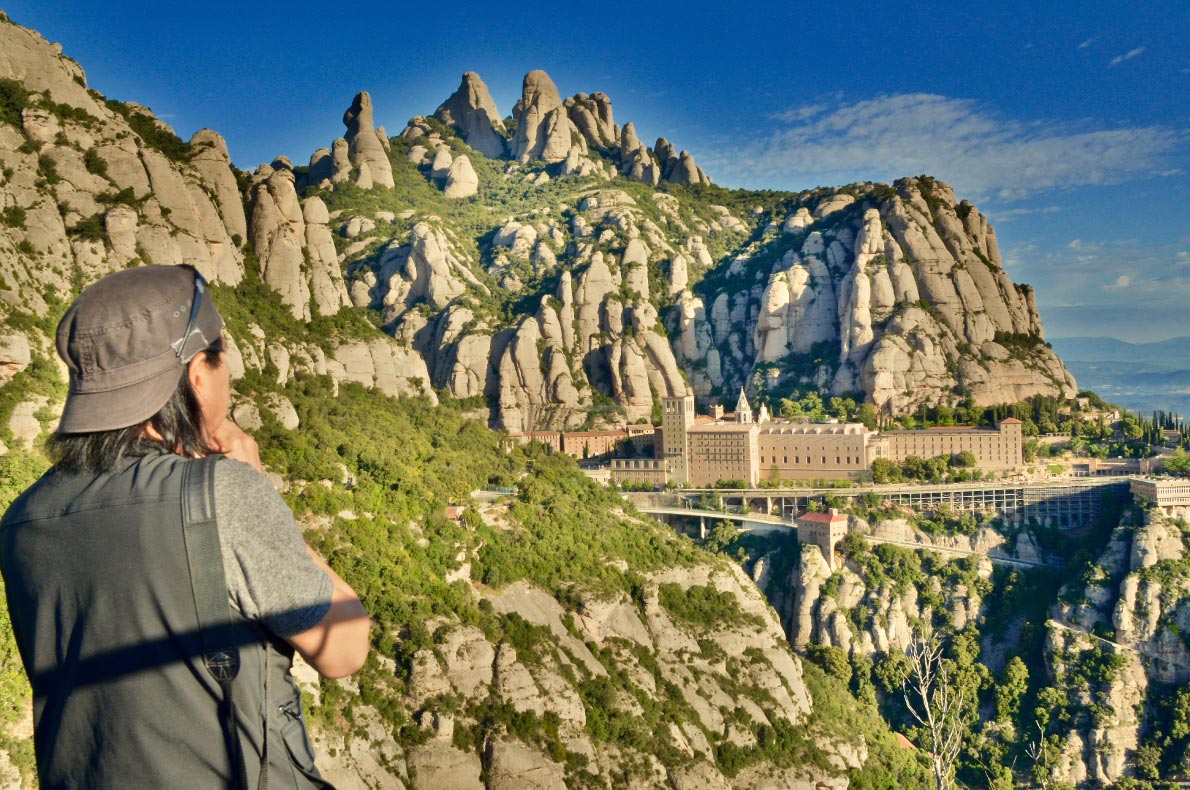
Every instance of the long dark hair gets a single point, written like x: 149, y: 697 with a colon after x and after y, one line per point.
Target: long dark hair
x: 179, y: 423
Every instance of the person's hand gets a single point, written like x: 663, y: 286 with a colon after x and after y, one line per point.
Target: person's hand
x: 231, y: 440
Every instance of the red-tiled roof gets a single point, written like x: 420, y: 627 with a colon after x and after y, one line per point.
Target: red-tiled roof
x: 1011, y: 421
x: 822, y: 518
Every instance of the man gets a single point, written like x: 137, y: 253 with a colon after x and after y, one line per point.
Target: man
x: 95, y: 558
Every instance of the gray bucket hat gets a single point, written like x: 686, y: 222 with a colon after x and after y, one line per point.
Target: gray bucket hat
x: 125, y: 342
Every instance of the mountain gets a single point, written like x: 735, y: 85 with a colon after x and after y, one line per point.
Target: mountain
x: 566, y: 274
x: 550, y: 637
x: 572, y: 280
x: 1174, y: 352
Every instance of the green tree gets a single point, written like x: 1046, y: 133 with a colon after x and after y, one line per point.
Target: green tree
x: 1178, y: 463
x: 790, y: 408
x: 1014, y: 682
x: 885, y: 471
x: 966, y: 459
x: 868, y: 416
x: 721, y: 536
x: 891, y: 670
x: 832, y: 660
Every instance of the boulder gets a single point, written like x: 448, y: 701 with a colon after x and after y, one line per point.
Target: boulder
x: 440, y: 165
x: 461, y: 180
x: 15, y: 355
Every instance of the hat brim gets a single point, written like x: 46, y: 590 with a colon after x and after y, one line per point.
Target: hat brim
x: 88, y: 412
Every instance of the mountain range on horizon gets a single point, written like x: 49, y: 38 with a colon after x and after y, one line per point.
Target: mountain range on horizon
x: 1141, y: 377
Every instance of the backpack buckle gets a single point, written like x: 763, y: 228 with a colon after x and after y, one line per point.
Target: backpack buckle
x: 223, y: 664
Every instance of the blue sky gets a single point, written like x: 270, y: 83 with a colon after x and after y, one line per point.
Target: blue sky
x: 1069, y: 127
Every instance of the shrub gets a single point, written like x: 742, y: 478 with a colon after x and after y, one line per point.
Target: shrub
x: 832, y: 660
x: 152, y: 133
x: 13, y: 99
x: 13, y: 217
x: 94, y: 162
x: 48, y: 169
x: 89, y: 229
x: 700, y: 605
x: 125, y: 197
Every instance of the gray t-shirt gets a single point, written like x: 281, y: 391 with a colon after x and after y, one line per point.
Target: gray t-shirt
x: 270, y: 577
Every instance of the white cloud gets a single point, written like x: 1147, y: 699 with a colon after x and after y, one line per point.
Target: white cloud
x: 1087, y: 43
x: 1008, y: 215
x: 958, y: 140
x: 1122, y: 282
x: 1129, y: 55
x: 798, y: 114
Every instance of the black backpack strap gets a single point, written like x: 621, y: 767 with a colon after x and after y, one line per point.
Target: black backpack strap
x: 220, y: 653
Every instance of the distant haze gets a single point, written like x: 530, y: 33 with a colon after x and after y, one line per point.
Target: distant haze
x: 1142, y: 377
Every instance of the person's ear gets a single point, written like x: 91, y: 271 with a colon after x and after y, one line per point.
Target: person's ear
x: 199, y: 376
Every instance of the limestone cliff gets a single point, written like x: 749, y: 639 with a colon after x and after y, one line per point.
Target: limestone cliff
x: 896, y: 293
x: 714, y: 673
x: 1134, y: 610
x: 91, y: 186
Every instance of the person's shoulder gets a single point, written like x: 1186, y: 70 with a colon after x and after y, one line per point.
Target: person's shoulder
x: 28, y: 504
x: 241, y: 476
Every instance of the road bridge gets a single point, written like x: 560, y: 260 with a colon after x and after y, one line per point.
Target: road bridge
x: 1065, y: 503
x: 759, y: 522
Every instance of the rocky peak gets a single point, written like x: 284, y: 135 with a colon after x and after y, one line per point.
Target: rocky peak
x: 67, y: 153
x: 908, y: 283
x: 364, y: 146
x: 470, y: 109
x: 592, y: 117
x: 539, y: 91
x: 543, y: 128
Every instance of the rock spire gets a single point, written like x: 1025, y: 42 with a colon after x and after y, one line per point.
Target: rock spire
x: 470, y: 109
x: 364, y: 146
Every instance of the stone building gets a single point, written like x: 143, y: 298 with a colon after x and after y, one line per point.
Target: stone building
x: 677, y: 417
x: 1169, y: 494
x: 701, y: 451
x: 723, y: 451
x: 737, y: 448
x: 805, y: 451
x: 640, y: 470
x: 824, y: 530
x: 994, y: 449
x: 591, y: 444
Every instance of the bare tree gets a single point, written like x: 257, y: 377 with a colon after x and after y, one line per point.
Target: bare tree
x: 1039, y: 753
x: 935, y: 700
